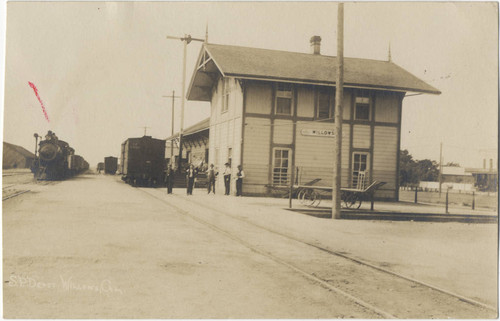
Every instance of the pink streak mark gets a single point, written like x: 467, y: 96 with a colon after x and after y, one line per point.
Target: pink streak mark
x: 32, y: 85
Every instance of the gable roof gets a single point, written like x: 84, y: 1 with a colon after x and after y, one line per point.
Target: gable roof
x: 274, y: 65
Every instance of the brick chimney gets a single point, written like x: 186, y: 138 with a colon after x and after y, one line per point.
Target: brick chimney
x: 315, y: 44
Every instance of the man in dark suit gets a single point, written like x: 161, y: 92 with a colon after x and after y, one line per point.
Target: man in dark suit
x: 169, y: 179
x: 227, y: 178
x: 191, y: 176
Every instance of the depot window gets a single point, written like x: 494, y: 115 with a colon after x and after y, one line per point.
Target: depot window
x: 362, y: 109
x: 325, y: 104
x: 281, y: 162
x: 284, y: 99
x: 226, y: 91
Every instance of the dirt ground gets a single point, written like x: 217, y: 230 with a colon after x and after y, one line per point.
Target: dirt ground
x: 93, y: 247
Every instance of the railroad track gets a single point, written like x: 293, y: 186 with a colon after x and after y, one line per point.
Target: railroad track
x: 425, y: 300
x: 15, y: 194
x: 15, y: 174
x: 21, y: 190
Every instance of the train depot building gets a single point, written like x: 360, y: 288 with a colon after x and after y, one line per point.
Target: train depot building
x: 272, y: 112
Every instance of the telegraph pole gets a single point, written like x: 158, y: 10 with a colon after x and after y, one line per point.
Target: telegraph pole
x: 145, y: 127
x: 172, y: 134
x: 339, y: 94
x: 186, y: 40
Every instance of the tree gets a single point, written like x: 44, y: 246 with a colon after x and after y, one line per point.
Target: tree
x: 427, y: 170
x: 411, y: 171
x: 406, y: 168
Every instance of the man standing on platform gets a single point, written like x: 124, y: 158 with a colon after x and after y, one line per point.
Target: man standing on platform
x: 169, y: 179
x: 190, y: 176
x: 211, y: 175
x: 240, y: 174
x: 227, y: 178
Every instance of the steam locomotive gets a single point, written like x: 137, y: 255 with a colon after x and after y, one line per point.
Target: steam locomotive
x: 56, y: 160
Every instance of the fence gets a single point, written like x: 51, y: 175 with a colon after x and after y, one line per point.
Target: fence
x: 470, y: 199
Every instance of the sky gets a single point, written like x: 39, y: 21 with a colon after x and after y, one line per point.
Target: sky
x: 102, y: 68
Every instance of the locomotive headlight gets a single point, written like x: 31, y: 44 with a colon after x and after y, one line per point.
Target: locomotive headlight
x: 49, y: 152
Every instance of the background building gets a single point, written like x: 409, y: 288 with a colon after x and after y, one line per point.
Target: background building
x: 16, y: 157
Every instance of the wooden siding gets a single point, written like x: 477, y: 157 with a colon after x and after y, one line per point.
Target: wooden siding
x: 386, y: 109
x: 314, y: 155
x: 361, y: 136
x: 256, y: 153
x: 259, y: 98
x: 283, y: 131
x: 305, y: 101
x: 384, y: 159
x: 346, y: 108
x: 230, y: 133
x: 225, y: 128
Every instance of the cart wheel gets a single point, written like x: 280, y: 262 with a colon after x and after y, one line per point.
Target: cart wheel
x: 351, y: 200
x: 308, y: 197
x: 300, y: 196
x: 318, y: 200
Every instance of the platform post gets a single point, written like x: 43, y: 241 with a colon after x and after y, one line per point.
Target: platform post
x: 447, y: 190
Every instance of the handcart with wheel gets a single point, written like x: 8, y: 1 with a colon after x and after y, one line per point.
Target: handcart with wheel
x: 352, y: 198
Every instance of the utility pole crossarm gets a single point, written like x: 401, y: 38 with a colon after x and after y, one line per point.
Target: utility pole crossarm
x: 186, y: 38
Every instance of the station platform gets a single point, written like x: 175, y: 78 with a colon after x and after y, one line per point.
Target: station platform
x: 403, y: 211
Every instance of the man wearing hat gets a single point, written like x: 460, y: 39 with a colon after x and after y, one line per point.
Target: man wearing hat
x: 211, y: 175
x: 227, y: 178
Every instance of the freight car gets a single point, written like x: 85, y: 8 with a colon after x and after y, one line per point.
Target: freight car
x: 77, y: 165
x: 110, y: 165
x: 143, y: 161
x: 56, y: 160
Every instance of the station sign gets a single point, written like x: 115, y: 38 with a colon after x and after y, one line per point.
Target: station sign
x: 318, y: 132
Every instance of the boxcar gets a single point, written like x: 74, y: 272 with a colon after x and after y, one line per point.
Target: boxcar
x: 110, y: 165
x: 77, y: 165
x: 142, y: 161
